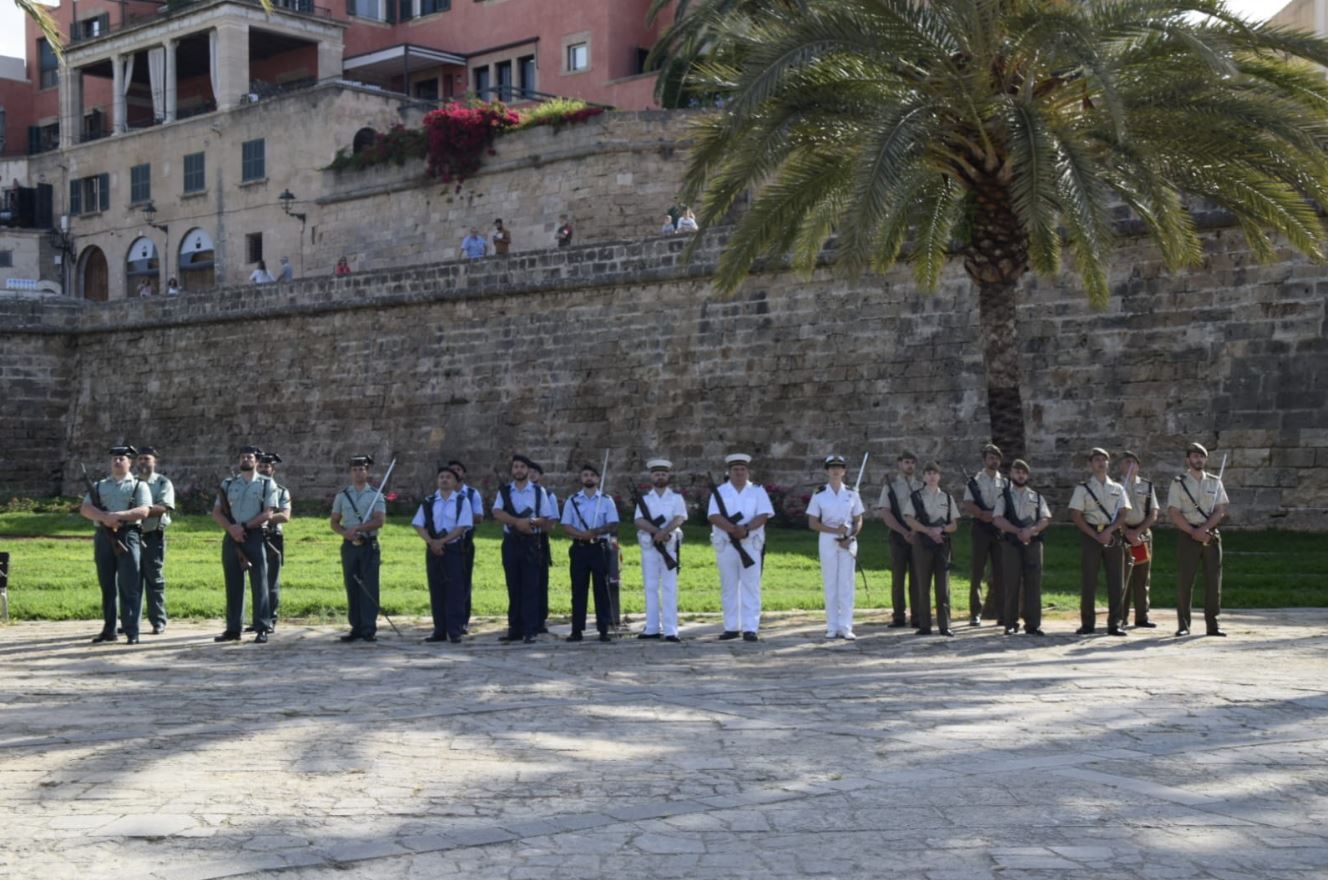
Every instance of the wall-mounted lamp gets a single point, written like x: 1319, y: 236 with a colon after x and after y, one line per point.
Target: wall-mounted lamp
x: 287, y: 199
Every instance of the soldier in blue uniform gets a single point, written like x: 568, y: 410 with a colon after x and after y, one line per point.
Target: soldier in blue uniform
x: 153, y: 561
x: 243, y: 506
x: 526, y: 512
x: 476, y: 501
x: 590, y: 519
x: 117, y: 504
x: 358, y: 512
x: 442, y: 522
x: 274, y: 538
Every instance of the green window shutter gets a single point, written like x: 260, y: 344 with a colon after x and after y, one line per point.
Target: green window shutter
x: 104, y: 191
x: 75, y: 197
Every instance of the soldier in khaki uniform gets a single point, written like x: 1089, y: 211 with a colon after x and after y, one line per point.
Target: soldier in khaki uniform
x: 153, y: 562
x: 274, y: 538
x: 117, y: 505
x: 933, y: 514
x: 1097, y: 508
x: 250, y: 499
x: 980, y: 496
x: 1138, y: 535
x: 358, y: 512
x: 1197, y: 502
x: 903, y: 541
x: 1022, y: 515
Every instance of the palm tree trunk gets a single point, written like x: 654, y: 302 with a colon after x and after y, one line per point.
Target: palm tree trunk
x: 1000, y: 355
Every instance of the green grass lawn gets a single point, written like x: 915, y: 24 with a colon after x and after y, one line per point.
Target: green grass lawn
x: 51, y: 573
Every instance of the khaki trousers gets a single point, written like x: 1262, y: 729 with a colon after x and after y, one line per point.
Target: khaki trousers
x: 1138, y: 580
x: 1093, y: 556
x: 1190, y: 555
x: 986, y: 545
x: 1023, y: 576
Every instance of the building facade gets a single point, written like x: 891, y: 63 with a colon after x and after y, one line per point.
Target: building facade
x: 185, y: 141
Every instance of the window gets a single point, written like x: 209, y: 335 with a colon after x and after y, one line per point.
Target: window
x: 6, y: 259
x: 427, y: 90
x: 48, y: 64
x: 140, y: 184
x: 578, y: 56
x: 253, y: 247
x: 482, y: 82
x: 91, y: 27
x: 194, y: 179
x: 504, y: 71
x: 42, y: 138
x: 526, y: 75
x: 253, y: 160
x: 88, y: 195
x: 428, y: 7
x: 370, y: 9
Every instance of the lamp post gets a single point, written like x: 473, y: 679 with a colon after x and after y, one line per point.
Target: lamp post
x: 287, y: 199
x: 149, y: 214
x: 63, y: 241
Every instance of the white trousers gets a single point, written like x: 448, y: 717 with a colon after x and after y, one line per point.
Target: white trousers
x: 739, y: 588
x: 837, y: 570
x: 661, y: 590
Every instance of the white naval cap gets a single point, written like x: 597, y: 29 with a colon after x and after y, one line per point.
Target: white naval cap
x: 659, y: 464
x: 737, y: 458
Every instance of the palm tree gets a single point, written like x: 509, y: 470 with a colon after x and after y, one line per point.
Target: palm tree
x: 45, y: 23
x: 1005, y: 132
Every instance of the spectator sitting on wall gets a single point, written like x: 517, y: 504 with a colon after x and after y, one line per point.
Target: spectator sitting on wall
x: 172, y: 287
x: 145, y: 288
x: 502, y: 237
x: 261, y: 275
x: 343, y: 267
x: 667, y: 228
x: 564, y: 233
x: 473, y: 245
x: 687, y: 222
x: 287, y: 270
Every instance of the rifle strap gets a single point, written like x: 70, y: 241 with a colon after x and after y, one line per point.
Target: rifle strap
x: 976, y: 491
x: 1093, y: 495
x: 1193, y: 500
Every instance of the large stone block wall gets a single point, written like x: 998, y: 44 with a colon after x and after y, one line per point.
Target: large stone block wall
x: 563, y: 353
x: 37, y: 361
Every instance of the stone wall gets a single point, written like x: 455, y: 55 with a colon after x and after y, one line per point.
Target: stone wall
x: 561, y: 353
x: 37, y: 346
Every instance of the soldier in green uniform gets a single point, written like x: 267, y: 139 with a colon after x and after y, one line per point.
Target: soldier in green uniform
x: 1022, y: 515
x: 358, y: 512
x: 117, y: 504
x: 903, y: 540
x: 980, y: 494
x: 153, y: 563
x: 244, y: 505
x: 274, y: 541
x: 1097, y: 508
x: 1138, y: 534
x: 1197, y: 502
x: 932, y: 513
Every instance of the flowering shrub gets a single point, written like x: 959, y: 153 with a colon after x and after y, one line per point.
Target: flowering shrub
x: 459, y: 135
x: 396, y: 145
x: 558, y: 113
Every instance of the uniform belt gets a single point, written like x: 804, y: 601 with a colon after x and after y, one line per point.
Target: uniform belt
x: 582, y: 543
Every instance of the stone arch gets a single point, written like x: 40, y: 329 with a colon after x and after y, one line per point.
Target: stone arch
x: 94, y: 277
x: 198, y: 260
x: 364, y: 139
x: 142, y: 263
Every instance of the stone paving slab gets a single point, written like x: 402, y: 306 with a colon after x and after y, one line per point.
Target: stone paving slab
x: 982, y: 756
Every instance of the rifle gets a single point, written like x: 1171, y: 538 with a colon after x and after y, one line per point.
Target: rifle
x: 426, y: 508
x: 658, y: 521
x: 94, y: 495
x: 853, y: 546
x: 747, y: 560
x: 608, y: 546
x: 378, y: 607
x: 225, y: 502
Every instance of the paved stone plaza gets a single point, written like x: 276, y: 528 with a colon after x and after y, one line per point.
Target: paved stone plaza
x: 896, y: 755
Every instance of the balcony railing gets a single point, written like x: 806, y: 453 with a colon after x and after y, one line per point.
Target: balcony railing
x: 84, y: 31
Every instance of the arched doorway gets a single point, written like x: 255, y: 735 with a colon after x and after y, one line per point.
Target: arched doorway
x: 142, y: 266
x: 197, y: 261
x: 93, y: 277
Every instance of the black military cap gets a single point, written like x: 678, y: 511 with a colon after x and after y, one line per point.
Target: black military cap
x: 124, y: 450
x: 534, y: 466
x: 456, y: 464
x: 148, y: 450
x: 588, y: 467
x: 246, y: 450
x: 269, y: 458
x: 521, y: 458
x: 361, y: 460
x: 448, y: 469
x: 834, y: 461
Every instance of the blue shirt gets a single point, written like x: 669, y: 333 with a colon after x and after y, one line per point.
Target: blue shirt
x: 589, y: 512
x: 443, y: 512
x: 473, y: 246
x: 476, y: 501
x: 524, y: 499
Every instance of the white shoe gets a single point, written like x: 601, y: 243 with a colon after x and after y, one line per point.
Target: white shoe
x: 829, y: 636
x: 848, y: 635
